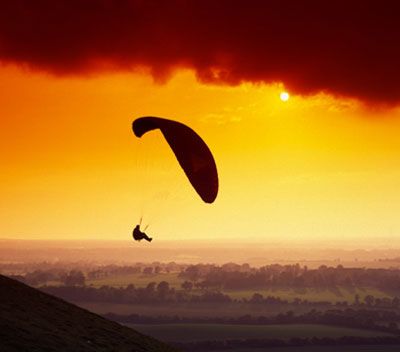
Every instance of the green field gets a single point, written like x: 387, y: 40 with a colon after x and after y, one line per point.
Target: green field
x: 193, y: 309
x: 198, y: 332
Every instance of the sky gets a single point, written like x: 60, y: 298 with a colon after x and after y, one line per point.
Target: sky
x: 322, y: 165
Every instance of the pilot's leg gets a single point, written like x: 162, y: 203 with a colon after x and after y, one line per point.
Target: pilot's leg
x: 147, y: 238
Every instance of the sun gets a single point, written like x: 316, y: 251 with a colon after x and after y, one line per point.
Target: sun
x: 284, y: 96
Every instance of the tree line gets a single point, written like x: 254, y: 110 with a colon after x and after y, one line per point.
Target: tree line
x: 163, y: 293
x: 229, y: 276
x: 152, y: 293
x: 377, y: 320
x: 236, y: 277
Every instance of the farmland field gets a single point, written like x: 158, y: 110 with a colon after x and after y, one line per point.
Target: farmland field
x: 378, y: 348
x: 198, y: 332
x: 194, y: 309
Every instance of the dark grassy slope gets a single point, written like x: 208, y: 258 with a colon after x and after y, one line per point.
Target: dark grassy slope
x: 31, y: 320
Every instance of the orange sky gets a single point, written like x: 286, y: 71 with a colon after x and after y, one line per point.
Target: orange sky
x: 312, y: 168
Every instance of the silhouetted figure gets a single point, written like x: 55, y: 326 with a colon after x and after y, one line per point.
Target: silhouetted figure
x: 139, y: 235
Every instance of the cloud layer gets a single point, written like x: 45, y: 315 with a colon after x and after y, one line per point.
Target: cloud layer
x: 348, y: 48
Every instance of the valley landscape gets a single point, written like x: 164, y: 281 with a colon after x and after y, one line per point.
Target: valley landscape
x: 211, y: 307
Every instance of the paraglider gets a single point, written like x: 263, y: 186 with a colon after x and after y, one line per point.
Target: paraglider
x: 139, y: 235
x: 190, y: 150
x: 192, y: 153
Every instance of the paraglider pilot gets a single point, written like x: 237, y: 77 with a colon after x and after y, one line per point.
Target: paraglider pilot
x: 192, y: 153
x: 139, y: 235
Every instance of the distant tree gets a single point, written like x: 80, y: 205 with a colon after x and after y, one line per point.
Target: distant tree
x: 297, y: 300
x: 192, y: 273
x: 148, y: 270
x: 163, y: 288
x: 130, y: 287
x: 369, y: 300
x: 151, y: 287
x: 357, y: 300
x: 74, y: 278
x: 290, y: 314
x: 386, y: 302
x: 245, y: 267
x: 157, y: 270
x: 187, y: 285
x: 38, y: 277
x: 257, y: 298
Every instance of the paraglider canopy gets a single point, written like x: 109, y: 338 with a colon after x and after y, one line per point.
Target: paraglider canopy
x: 190, y: 150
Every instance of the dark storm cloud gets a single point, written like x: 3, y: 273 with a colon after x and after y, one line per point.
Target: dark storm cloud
x: 349, y: 48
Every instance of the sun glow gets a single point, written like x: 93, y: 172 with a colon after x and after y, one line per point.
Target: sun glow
x: 284, y: 96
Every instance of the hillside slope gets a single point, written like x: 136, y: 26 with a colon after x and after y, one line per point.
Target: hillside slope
x: 31, y: 320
